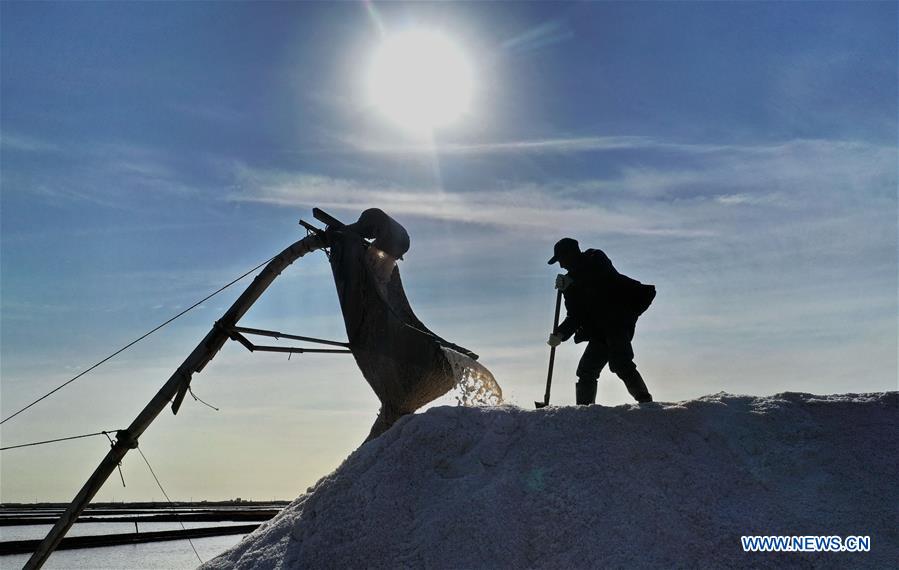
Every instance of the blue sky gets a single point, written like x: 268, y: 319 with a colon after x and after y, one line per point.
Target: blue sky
x: 740, y: 156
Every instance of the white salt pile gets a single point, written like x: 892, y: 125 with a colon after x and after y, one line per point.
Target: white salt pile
x: 660, y: 485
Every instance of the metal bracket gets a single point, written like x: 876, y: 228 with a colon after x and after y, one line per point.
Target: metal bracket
x: 326, y: 219
x: 312, y: 229
x: 123, y: 437
x: 237, y: 334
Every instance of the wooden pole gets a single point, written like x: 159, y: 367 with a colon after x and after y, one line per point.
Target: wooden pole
x: 176, y: 387
x: 552, y: 354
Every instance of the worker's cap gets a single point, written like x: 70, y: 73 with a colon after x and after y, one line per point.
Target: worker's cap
x: 565, y: 248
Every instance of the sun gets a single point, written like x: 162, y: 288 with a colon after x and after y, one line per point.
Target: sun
x: 420, y: 80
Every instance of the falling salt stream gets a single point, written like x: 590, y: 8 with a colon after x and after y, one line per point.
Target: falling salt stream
x: 475, y: 385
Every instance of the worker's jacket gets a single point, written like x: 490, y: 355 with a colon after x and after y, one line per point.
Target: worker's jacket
x: 600, y: 298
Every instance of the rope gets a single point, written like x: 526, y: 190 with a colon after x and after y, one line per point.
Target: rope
x: 164, y: 494
x: 132, y: 343
x: 198, y: 399
x: 106, y: 433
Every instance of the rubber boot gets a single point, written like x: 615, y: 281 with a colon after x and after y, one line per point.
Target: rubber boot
x: 636, y: 386
x: 585, y: 392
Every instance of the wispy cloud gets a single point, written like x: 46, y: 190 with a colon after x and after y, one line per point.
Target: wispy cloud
x: 530, y: 206
x: 737, y: 199
x: 561, y: 145
x: 693, y: 195
x: 543, y: 35
x: 112, y: 175
x: 18, y: 142
x: 786, y: 150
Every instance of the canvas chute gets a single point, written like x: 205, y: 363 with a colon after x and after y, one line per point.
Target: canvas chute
x: 406, y: 364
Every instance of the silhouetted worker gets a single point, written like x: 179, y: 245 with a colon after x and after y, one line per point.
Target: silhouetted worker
x: 603, y: 306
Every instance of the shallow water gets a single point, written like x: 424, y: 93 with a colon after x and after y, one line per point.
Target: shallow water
x: 38, y: 531
x: 174, y: 554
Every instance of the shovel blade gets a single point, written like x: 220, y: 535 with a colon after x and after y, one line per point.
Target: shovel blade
x: 541, y: 404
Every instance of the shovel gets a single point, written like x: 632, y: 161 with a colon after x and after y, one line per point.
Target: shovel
x: 552, y: 354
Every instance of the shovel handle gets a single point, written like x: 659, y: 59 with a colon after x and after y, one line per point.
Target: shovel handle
x: 552, y: 349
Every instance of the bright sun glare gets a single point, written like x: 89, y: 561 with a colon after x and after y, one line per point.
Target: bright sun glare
x: 420, y: 80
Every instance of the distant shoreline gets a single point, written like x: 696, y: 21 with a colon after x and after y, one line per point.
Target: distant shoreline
x: 15, y: 514
x: 150, y: 504
x: 143, y: 515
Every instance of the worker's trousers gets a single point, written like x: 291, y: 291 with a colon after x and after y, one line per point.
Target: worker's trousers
x: 612, y: 346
